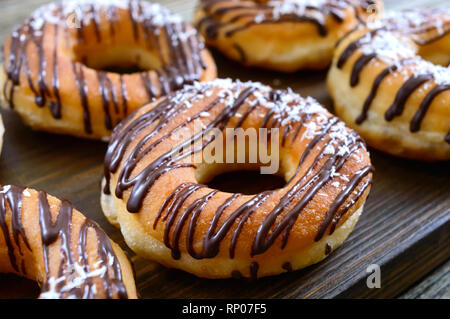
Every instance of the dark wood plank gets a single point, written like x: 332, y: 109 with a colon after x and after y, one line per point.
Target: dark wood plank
x: 404, y: 228
x: 435, y: 286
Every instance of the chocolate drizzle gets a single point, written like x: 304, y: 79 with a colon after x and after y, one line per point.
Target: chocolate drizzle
x: 403, y: 94
x: 182, y: 208
x: 69, y: 282
x: 287, y: 266
x: 352, y: 47
x: 341, y: 198
x: 160, y: 30
x: 83, y: 92
x: 412, y: 24
x: 359, y: 64
x: 328, y: 249
x: 373, y: 91
x: 254, y: 267
x: 420, y: 114
x: 13, y: 197
x: 235, y: 16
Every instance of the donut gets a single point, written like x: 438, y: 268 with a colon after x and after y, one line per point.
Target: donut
x: 79, y: 67
x: 155, y: 189
x: 281, y: 35
x: 390, y: 81
x: 47, y: 240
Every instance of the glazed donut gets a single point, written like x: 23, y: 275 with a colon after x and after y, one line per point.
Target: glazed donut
x: 155, y: 192
x: 282, y: 35
x: 386, y: 83
x: 47, y: 240
x: 79, y: 67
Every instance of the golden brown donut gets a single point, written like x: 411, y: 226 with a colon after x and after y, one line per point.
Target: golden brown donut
x: 63, y: 69
x: 282, y: 35
x: 386, y: 83
x: 155, y: 192
x: 47, y: 240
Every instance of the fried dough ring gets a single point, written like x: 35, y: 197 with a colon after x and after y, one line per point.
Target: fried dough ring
x: 281, y: 35
x: 386, y: 83
x: 47, y: 240
x: 156, y: 194
x: 60, y: 67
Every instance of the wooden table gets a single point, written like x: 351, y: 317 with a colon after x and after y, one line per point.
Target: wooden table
x: 405, y: 227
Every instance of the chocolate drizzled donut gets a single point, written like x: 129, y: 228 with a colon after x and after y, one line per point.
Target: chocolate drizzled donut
x: 249, y: 13
x: 69, y: 255
x: 284, y: 35
x: 47, y: 55
x: 425, y: 28
x: 146, y: 161
x: 395, y: 42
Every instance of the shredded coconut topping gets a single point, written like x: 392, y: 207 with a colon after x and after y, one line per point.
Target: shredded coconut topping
x: 296, y: 7
x: 84, y: 11
x: 5, y: 189
x: 414, y: 22
x: 392, y: 41
x: 287, y: 108
x: 387, y: 46
x: 440, y: 74
x: 409, y: 20
x: 74, y: 277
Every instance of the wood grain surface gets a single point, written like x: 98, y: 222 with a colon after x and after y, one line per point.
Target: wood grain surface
x: 436, y: 285
x: 405, y: 227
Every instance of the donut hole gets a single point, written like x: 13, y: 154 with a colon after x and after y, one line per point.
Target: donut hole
x: 238, y: 178
x: 246, y: 167
x: 435, y: 53
x: 117, y: 59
